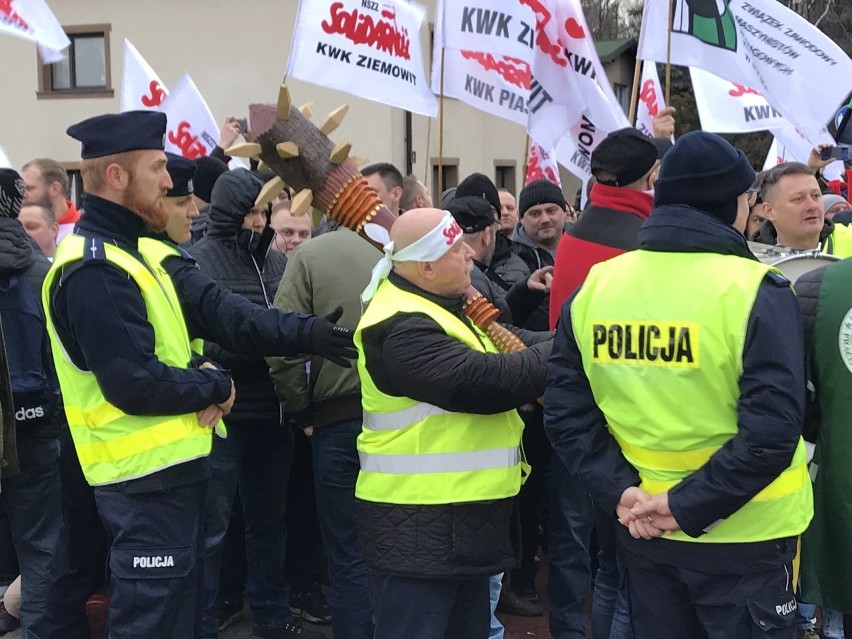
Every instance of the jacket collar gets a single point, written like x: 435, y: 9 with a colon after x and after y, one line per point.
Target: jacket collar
x: 111, y: 221
x: 452, y: 304
x: 622, y: 199
x: 683, y: 229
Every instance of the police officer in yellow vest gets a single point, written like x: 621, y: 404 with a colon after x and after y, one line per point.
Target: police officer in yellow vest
x: 795, y: 217
x: 675, y: 393
x: 440, y: 447
x: 140, y: 417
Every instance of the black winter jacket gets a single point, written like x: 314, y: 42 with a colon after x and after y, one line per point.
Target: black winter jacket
x: 770, y: 408
x: 240, y: 260
x: 409, y: 355
x: 20, y: 257
x: 506, y: 268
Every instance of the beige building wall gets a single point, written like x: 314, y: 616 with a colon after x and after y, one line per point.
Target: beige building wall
x: 236, y: 53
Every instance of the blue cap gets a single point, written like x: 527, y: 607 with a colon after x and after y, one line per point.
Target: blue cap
x: 120, y: 132
x: 181, y: 171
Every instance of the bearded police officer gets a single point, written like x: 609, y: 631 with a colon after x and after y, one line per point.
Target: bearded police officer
x: 121, y: 317
x: 675, y: 393
x: 439, y: 450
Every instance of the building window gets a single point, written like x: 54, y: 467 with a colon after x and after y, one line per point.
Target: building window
x: 450, y: 175
x: 622, y: 95
x: 85, y: 71
x: 504, y: 175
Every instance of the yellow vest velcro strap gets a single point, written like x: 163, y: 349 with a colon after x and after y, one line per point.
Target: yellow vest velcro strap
x: 440, y: 462
x: 787, y: 483
x: 136, y: 442
x: 400, y: 419
x: 665, y: 459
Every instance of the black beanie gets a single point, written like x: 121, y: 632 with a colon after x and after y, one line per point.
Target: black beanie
x: 207, y: 171
x: 540, y: 192
x: 478, y: 185
x: 704, y: 171
x: 12, y: 189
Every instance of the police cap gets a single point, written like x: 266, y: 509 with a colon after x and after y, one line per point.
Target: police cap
x: 181, y: 171
x: 119, y: 133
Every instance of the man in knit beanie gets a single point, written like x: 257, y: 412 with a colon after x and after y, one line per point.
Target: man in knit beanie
x: 676, y: 396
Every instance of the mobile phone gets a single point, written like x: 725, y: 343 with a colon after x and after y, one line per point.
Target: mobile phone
x: 835, y: 153
x: 243, y: 122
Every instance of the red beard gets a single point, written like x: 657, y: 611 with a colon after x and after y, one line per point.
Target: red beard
x: 152, y: 211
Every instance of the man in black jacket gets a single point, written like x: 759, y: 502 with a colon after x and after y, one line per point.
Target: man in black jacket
x: 30, y: 499
x: 257, y: 454
x: 703, y: 446
x: 440, y: 463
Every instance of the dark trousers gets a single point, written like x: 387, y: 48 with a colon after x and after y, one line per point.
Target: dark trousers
x: 336, y: 469
x: 532, y: 499
x: 33, y: 504
x: 256, y: 458
x: 409, y: 608
x: 304, y: 559
x: 156, y: 544
x: 679, y: 603
x: 80, y: 559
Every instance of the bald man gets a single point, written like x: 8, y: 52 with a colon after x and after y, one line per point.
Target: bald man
x: 440, y: 445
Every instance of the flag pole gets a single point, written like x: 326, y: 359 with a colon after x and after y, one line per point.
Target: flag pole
x: 441, y: 131
x: 526, y: 157
x: 669, y: 54
x: 428, y: 140
x: 634, y: 96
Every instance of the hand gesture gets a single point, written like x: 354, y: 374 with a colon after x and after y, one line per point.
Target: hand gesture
x: 331, y: 341
x: 664, y: 122
x: 541, y: 280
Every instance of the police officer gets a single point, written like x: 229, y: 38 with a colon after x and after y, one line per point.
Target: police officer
x: 439, y: 449
x: 675, y: 393
x: 138, y: 412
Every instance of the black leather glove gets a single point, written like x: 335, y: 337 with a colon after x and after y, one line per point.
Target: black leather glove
x: 331, y: 341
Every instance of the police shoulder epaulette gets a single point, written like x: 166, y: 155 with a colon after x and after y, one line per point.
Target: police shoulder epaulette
x: 778, y: 279
x: 184, y: 254
x: 94, y: 249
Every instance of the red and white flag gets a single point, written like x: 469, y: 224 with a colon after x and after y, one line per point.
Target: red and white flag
x: 541, y: 165
x: 369, y: 49
x: 569, y: 82
x: 141, y: 87
x: 32, y: 20
x: 191, y: 130
x: 651, y: 99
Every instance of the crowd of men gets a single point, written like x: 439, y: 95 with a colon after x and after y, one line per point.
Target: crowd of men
x: 213, y: 403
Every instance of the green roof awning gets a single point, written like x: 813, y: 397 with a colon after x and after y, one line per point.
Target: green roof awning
x: 609, y: 50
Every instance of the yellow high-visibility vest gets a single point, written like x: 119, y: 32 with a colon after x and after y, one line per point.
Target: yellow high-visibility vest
x: 112, y: 445
x: 416, y: 453
x: 662, y: 337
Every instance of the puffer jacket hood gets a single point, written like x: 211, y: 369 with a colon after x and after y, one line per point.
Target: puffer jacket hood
x: 233, y: 197
x: 17, y: 252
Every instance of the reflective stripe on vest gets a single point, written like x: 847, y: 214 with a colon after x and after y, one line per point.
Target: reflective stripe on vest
x: 415, y: 453
x: 664, y: 363
x: 440, y: 462
x: 400, y: 419
x: 113, y: 446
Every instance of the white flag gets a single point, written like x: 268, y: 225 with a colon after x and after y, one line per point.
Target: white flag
x: 726, y: 107
x: 368, y: 49
x: 794, y: 146
x: 504, y: 26
x: 34, y: 21
x: 755, y: 43
x: 5, y: 162
x: 569, y: 82
x: 651, y: 99
x: 141, y: 87
x: 541, y: 165
x: 574, y: 149
x: 191, y: 130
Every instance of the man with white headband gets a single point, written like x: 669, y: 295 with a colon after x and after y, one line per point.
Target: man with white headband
x: 440, y: 446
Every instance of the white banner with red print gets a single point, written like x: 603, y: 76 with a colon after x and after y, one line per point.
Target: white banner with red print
x: 34, y: 21
x: 366, y: 48
x: 726, y: 107
x: 141, y: 87
x: 650, y: 100
x: 541, y: 165
x: 192, y: 132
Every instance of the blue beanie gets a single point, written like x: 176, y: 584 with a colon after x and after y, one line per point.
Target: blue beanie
x: 704, y: 171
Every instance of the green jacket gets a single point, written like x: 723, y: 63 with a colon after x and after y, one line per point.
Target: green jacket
x: 326, y: 272
x: 825, y: 296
